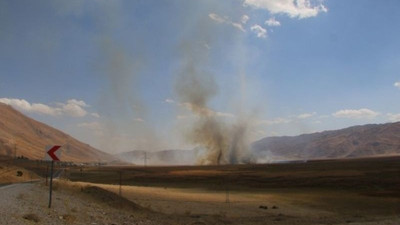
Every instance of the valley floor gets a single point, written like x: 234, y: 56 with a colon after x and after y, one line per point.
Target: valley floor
x: 84, y: 203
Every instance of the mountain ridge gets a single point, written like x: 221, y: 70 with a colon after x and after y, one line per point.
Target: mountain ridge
x: 360, y: 141
x: 21, y: 135
x: 351, y: 142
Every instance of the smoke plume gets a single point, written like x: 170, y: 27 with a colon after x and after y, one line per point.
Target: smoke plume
x: 224, y: 142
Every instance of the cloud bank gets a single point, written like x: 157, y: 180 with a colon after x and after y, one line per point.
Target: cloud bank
x: 293, y: 8
x: 72, y: 107
x: 356, y: 114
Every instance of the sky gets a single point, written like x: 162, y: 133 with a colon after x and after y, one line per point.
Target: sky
x: 108, y: 72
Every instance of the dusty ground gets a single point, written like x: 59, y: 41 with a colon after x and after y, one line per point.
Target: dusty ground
x: 283, y: 206
x: 357, y: 192
x: 79, y: 203
x: 27, y: 203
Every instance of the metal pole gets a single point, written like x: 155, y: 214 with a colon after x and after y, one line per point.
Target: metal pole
x: 227, y: 195
x: 47, y: 173
x: 120, y: 183
x: 226, y: 191
x: 51, y: 182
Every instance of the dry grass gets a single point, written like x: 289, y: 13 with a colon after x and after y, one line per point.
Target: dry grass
x: 324, y: 192
x: 300, y: 204
x: 8, y: 174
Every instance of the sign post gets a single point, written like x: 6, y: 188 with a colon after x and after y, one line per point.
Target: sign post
x: 52, y: 156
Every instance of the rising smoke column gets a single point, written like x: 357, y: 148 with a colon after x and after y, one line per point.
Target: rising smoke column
x: 195, y: 86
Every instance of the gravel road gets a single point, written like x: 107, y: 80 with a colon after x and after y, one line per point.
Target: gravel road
x: 27, y: 203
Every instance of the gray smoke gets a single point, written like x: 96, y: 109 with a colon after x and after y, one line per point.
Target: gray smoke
x: 225, y: 143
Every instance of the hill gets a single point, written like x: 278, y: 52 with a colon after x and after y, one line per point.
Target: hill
x: 23, y: 136
x: 353, y: 142
x: 372, y: 140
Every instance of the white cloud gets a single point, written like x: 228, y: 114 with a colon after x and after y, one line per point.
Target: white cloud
x: 238, y: 26
x: 170, y: 101
x: 244, y: 19
x: 397, y: 84
x: 275, y: 121
x: 226, y: 20
x: 393, y: 117
x: 293, y: 8
x: 77, y: 102
x: 272, y: 22
x: 259, y: 31
x: 22, y: 104
x: 306, y: 115
x: 139, y: 120
x: 356, y: 114
x: 217, y: 18
x: 73, y: 107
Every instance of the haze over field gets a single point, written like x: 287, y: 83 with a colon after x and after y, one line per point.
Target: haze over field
x: 217, y: 75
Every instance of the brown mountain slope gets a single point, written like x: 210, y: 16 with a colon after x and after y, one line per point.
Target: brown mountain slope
x: 358, y: 141
x: 29, y: 137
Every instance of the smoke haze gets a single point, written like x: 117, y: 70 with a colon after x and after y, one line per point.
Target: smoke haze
x: 195, y: 86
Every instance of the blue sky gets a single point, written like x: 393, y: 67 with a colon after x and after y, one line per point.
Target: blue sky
x: 106, y: 71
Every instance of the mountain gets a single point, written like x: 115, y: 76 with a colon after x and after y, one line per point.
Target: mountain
x: 353, y: 142
x: 164, y: 157
x: 30, y: 137
x: 358, y: 141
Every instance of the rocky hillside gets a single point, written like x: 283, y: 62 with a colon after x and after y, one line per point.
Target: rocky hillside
x: 357, y: 141
x: 26, y: 137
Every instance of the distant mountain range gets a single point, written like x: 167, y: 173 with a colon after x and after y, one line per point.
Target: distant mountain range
x: 29, y: 137
x: 23, y: 136
x: 353, y: 142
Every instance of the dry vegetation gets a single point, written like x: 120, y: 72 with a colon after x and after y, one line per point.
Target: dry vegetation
x: 316, y: 192
x: 9, y: 174
x: 360, y: 191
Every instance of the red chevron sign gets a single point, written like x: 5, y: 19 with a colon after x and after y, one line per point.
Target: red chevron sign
x: 51, y: 152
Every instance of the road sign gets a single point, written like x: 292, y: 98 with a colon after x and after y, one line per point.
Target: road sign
x: 53, y: 153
